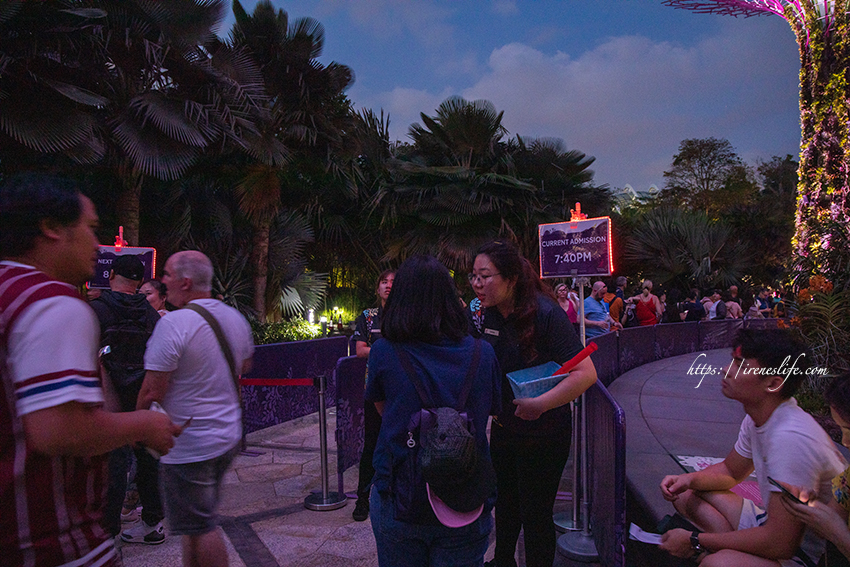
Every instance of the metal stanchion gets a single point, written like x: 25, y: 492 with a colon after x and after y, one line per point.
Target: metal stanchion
x: 570, y: 522
x: 325, y: 500
x: 578, y: 546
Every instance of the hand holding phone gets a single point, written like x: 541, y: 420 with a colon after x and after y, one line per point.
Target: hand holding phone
x: 786, y: 492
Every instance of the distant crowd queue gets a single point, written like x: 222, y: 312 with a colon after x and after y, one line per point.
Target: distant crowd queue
x: 606, y: 310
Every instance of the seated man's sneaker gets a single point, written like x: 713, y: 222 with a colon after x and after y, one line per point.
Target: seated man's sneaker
x: 143, y: 533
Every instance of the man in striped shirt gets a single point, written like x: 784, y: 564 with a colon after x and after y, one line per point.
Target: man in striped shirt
x: 53, y: 428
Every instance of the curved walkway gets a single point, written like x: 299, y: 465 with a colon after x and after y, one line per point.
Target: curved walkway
x: 670, y: 412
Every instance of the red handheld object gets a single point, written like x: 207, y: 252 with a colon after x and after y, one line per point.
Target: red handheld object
x: 571, y: 363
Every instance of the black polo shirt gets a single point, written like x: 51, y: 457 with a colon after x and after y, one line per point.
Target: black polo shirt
x: 555, y: 340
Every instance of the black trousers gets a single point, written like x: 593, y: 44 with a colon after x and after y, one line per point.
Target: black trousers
x: 528, y: 471
x: 147, y: 474
x: 372, y: 422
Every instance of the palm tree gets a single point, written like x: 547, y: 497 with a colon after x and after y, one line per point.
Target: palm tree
x: 686, y: 249
x: 142, y: 85
x: 49, y: 70
x: 463, y: 133
x: 564, y: 178
x: 305, y: 105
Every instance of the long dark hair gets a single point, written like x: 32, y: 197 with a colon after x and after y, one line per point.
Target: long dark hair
x: 423, y: 306
x: 512, y: 266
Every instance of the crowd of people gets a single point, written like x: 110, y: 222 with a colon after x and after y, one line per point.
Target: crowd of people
x: 140, y: 384
x: 606, y: 311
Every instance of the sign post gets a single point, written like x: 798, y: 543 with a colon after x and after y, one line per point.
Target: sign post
x: 580, y: 248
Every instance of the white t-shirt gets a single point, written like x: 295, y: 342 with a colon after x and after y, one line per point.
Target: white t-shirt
x: 201, y: 385
x: 52, y: 354
x: 791, y: 447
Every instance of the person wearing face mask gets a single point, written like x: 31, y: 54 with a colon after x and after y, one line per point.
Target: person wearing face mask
x: 530, y: 437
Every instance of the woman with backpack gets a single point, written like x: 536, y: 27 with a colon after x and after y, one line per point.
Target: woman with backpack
x: 530, y: 437
x: 432, y: 493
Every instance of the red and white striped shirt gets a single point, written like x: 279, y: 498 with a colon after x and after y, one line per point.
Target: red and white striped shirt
x: 50, y: 507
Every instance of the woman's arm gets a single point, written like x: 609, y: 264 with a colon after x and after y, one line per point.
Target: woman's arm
x: 362, y: 349
x: 827, y: 520
x: 579, y: 379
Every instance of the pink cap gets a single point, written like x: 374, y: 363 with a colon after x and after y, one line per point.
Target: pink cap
x: 448, y: 517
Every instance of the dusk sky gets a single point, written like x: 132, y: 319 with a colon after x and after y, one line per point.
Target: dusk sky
x: 624, y: 81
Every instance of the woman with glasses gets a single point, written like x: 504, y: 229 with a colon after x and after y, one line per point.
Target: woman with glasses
x: 530, y: 437
x: 568, y: 301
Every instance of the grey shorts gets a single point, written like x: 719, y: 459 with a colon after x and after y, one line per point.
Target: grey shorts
x: 190, y: 493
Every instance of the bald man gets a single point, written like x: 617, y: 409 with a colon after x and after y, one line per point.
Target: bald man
x: 597, y: 321
x: 192, y: 377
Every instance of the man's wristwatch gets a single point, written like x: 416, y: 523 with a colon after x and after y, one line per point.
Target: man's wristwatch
x: 695, y: 543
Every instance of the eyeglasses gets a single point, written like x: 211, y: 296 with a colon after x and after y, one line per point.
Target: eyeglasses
x: 474, y: 279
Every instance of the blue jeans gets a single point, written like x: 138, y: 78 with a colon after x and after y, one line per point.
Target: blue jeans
x: 401, y: 544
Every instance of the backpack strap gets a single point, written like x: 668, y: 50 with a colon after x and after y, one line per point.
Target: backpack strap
x: 222, y: 342
x: 404, y: 358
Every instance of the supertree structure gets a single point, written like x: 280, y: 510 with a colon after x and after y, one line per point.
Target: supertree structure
x: 822, y: 29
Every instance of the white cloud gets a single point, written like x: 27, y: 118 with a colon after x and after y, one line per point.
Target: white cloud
x: 629, y: 101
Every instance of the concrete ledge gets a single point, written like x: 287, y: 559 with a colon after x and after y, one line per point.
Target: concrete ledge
x: 668, y: 415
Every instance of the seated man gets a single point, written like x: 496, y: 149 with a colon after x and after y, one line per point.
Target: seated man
x: 777, y: 439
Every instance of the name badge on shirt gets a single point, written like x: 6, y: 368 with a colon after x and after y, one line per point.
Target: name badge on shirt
x: 376, y: 331
x: 493, y: 332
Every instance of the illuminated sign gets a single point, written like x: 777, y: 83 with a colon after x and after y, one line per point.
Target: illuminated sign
x: 107, y: 254
x: 580, y: 248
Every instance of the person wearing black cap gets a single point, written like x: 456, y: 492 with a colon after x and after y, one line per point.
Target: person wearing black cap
x: 126, y: 321
x: 434, y: 485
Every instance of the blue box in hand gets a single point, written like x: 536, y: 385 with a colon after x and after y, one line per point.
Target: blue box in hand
x: 531, y: 382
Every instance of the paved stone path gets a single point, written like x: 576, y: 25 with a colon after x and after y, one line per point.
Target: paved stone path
x: 263, y: 516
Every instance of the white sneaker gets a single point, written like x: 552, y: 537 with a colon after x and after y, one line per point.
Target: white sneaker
x: 130, y: 516
x: 140, y: 532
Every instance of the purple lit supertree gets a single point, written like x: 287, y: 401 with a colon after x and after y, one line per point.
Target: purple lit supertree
x: 822, y: 29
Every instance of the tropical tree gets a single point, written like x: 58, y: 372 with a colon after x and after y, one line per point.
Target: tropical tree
x: 49, y: 67
x: 680, y: 248
x: 308, y: 113
x: 707, y: 175
x: 563, y: 177
x: 462, y: 133
x: 147, y: 89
